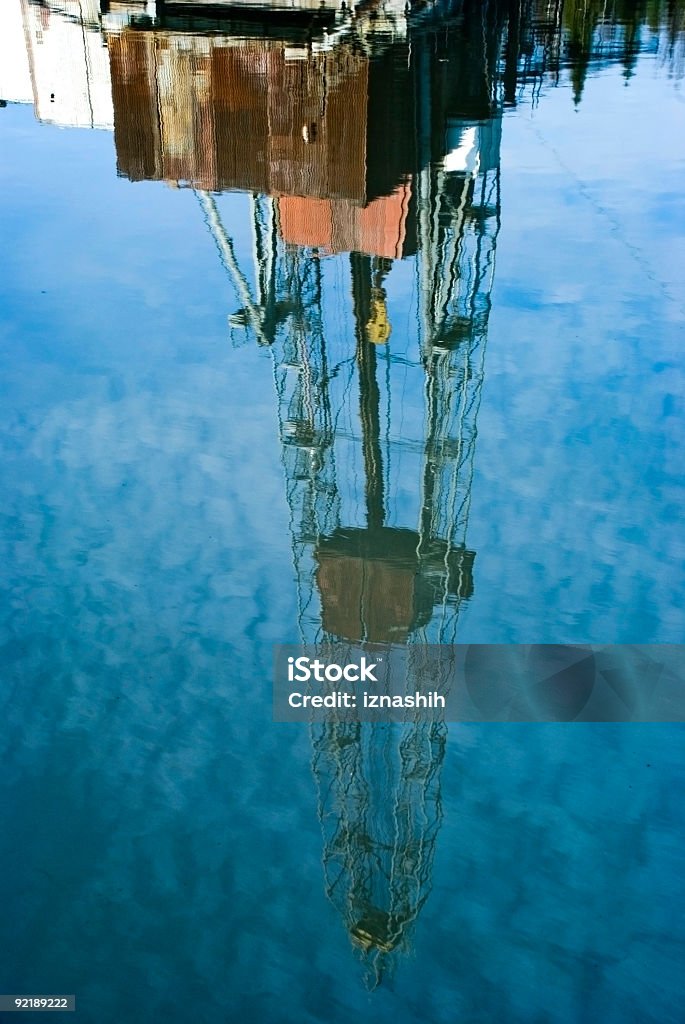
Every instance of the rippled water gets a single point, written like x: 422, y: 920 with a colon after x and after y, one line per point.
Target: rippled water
x: 363, y: 326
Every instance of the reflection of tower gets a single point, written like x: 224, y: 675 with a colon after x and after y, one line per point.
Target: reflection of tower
x: 374, y: 576
x: 391, y: 157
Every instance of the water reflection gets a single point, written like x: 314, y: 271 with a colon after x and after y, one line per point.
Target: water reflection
x: 374, y: 135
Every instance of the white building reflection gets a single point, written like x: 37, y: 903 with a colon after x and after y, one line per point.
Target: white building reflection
x: 56, y: 58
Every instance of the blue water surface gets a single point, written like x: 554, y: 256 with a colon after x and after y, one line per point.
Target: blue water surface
x: 161, y: 849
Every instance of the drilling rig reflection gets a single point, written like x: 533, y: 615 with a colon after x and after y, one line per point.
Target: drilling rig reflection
x: 378, y: 461
x: 373, y: 167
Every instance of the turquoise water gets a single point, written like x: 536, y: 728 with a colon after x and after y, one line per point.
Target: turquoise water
x: 175, y: 472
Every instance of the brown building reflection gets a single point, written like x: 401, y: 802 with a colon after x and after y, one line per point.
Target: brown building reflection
x: 260, y: 115
x: 224, y: 114
x: 336, y: 130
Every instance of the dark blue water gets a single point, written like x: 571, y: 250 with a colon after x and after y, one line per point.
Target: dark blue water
x: 166, y: 848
